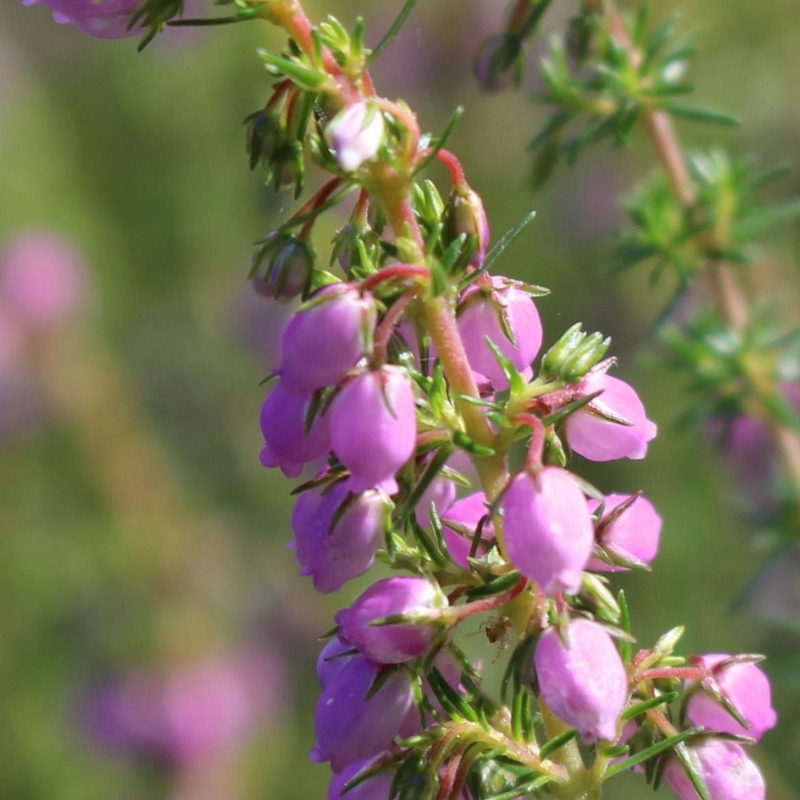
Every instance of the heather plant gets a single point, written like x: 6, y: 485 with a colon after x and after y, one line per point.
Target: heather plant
x: 430, y: 430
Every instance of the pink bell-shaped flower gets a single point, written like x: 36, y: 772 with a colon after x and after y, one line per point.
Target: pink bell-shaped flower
x: 582, y: 678
x: 460, y: 523
x: 106, y: 20
x: 747, y: 689
x: 351, y: 724
x: 325, y: 338
x: 286, y: 444
x: 548, y: 529
x: 396, y: 643
x: 337, y: 534
x: 355, y: 135
x: 505, y: 314
x: 613, y: 425
x: 373, y: 427
x: 632, y: 536
x: 441, y: 492
x: 727, y: 772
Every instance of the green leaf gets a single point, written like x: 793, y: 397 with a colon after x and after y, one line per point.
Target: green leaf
x: 557, y: 742
x: 699, y: 114
x: 303, y: 76
x: 506, y: 241
x: 640, y: 708
x: 653, y: 750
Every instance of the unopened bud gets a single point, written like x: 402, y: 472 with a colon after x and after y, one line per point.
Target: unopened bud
x: 290, y: 265
x: 465, y: 214
x: 355, y: 135
x: 497, y: 62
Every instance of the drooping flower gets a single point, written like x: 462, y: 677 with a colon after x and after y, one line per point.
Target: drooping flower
x: 631, y: 536
x: 725, y: 769
x: 395, y: 643
x: 353, y: 724
x: 325, y: 338
x: 106, y: 20
x: 460, y: 524
x: 286, y: 444
x: 548, y: 529
x: 337, y: 534
x: 373, y: 427
x: 506, y: 314
x: 582, y: 678
x: 355, y: 135
x: 613, y: 425
x: 745, y: 686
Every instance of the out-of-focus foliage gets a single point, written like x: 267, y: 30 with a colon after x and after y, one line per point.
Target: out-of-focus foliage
x: 140, y: 538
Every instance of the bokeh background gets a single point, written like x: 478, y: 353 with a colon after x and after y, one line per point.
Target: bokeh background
x: 155, y: 639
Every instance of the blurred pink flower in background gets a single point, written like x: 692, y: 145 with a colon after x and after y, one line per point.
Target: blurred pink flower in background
x: 181, y: 718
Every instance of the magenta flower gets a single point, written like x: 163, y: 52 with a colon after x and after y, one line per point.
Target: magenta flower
x: 613, y: 425
x: 351, y: 724
x: 548, y: 529
x: 325, y: 338
x: 355, y: 135
x: 745, y: 686
x: 42, y: 280
x: 404, y: 641
x: 286, y: 444
x: 106, y: 20
x: 460, y: 523
x: 373, y: 427
x: 505, y: 314
x: 333, y: 656
x: 632, y: 536
x: 725, y: 769
x: 337, y: 534
x: 582, y: 678
x: 441, y: 492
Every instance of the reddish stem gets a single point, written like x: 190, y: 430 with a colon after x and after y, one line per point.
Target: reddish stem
x: 414, y: 272
x: 384, y: 331
x: 460, y: 613
x: 687, y: 673
x: 536, y: 448
x: 456, y: 169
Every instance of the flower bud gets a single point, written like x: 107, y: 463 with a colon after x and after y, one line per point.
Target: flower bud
x: 548, y: 529
x: 106, y: 20
x: 326, y: 337
x: 725, y: 769
x: 497, y: 62
x: 350, y: 723
x: 582, y: 678
x: 264, y: 135
x: 355, y: 135
x: 289, y: 268
x: 333, y: 656
x: 286, y: 444
x: 337, y: 534
x: 373, y: 427
x: 395, y: 643
x: 376, y: 787
x: 745, y: 686
x: 507, y: 316
x: 465, y: 214
x: 633, y: 535
x: 460, y: 523
x: 613, y: 425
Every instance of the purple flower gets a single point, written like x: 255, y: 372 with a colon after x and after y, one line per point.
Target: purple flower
x: 745, y: 686
x: 725, y: 769
x: 42, y: 280
x: 631, y: 536
x: 286, y: 444
x: 373, y: 427
x: 333, y: 656
x: 548, y: 529
x: 504, y: 313
x: 351, y: 724
x: 106, y: 20
x: 613, y: 425
x: 355, y: 135
x: 325, y: 338
x: 396, y: 643
x: 460, y: 523
x: 376, y: 787
x: 337, y: 534
x: 582, y: 678
x: 441, y: 492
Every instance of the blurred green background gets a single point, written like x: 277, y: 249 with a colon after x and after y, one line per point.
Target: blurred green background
x: 141, y: 541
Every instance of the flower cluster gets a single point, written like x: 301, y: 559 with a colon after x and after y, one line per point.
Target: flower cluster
x: 405, y: 387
